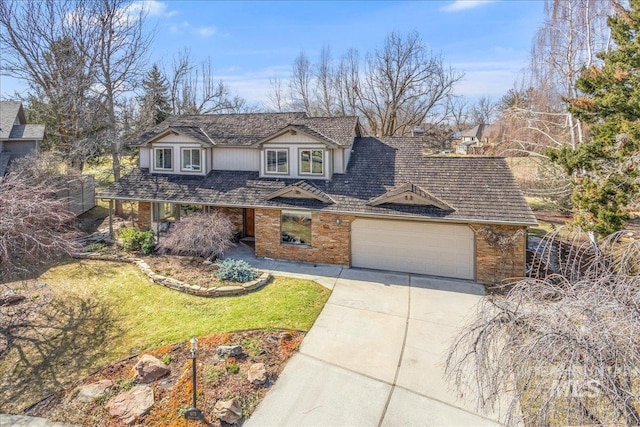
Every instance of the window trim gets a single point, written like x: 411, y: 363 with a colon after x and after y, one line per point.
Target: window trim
x: 155, y: 163
x: 301, y: 213
x: 310, y: 150
x: 266, y: 161
x: 191, y: 149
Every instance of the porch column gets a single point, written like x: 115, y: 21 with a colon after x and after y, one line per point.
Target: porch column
x: 111, y: 218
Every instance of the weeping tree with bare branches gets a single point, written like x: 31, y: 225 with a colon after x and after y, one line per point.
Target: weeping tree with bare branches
x: 203, y: 234
x: 562, y: 346
x: 35, y: 226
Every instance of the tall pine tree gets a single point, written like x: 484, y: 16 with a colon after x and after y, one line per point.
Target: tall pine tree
x: 607, y: 166
x: 154, y: 103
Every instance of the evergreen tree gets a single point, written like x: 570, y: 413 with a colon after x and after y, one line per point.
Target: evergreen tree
x: 606, y: 168
x: 154, y: 104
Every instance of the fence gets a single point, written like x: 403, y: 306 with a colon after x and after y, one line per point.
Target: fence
x: 79, y: 192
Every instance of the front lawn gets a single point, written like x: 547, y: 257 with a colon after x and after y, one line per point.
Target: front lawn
x: 103, y: 311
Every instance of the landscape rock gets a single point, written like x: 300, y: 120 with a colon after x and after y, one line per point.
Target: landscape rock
x: 257, y: 374
x: 90, y: 392
x: 131, y: 404
x: 229, y: 350
x: 228, y: 411
x: 149, y: 369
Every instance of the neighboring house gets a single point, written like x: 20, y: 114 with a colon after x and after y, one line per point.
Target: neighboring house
x: 17, y: 138
x: 314, y: 189
x: 472, y: 140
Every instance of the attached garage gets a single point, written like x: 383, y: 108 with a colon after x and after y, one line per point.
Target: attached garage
x: 414, y: 247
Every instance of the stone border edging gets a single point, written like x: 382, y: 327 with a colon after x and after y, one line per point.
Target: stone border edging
x: 177, y: 285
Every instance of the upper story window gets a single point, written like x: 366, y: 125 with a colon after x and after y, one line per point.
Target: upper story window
x: 191, y: 159
x: 277, y: 161
x: 164, y: 158
x: 311, y: 162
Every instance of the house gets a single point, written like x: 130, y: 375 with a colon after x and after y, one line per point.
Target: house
x: 466, y: 141
x: 316, y: 189
x: 17, y: 138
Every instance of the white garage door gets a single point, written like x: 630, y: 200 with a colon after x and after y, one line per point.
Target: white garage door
x: 413, y: 247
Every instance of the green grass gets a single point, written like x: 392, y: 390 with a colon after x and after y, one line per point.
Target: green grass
x: 151, y: 315
x: 102, y: 169
x: 105, y: 311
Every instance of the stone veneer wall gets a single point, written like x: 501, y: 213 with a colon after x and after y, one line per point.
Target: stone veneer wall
x: 235, y: 215
x: 492, y: 266
x: 144, y: 214
x: 330, y: 241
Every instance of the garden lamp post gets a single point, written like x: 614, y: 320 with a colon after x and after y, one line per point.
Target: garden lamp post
x: 193, y: 413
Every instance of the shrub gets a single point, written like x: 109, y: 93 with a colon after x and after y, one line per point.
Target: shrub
x: 235, y: 270
x: 134, y: 239
x: 203, y: 234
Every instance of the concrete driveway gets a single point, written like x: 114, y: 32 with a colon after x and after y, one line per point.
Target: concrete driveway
x: 375, y: 355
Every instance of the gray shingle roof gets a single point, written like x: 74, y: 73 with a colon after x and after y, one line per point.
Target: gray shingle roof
x: 9, y: 112
x: 479, y: 189
x: 27, y: 132
x: 249, y: 129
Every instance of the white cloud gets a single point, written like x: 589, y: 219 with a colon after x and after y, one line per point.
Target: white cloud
x: 152, y: 8
x: 205, y: 32
x: 459, y: 5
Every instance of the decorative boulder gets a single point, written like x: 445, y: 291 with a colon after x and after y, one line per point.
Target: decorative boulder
x: 89, y: 392
x: 228, y: 411
x: 229, y: 350
x: 149, y: 369
x: 131, y: 404
x: 257, y: 374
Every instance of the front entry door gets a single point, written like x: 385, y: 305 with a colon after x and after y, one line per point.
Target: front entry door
x: 249, y: 222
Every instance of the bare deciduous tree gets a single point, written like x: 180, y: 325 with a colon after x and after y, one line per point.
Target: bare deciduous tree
x: 35, y: 227
x: 276, y: 95
x: 195, y: 90
x: 346, y: 81
x: 120, y: 58
x: 324, y: 77
x: 404, y: 84
x: 51, y: 45
x: 300, y: 83
x: 203, y: 234
x: 562, y: 346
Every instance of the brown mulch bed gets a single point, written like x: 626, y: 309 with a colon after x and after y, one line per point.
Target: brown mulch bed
x: 187, y: 269
x: 217, y: 380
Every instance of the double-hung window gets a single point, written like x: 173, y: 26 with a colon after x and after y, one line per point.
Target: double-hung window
x: 191, y: 159
x: 278, y: 161
x: 311, y: 162
x: 164, y: 158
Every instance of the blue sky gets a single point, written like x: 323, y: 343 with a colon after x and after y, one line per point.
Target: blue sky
x: 249, y: 42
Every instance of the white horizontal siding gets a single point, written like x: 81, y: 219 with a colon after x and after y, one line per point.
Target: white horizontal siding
x: 236, y: 159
